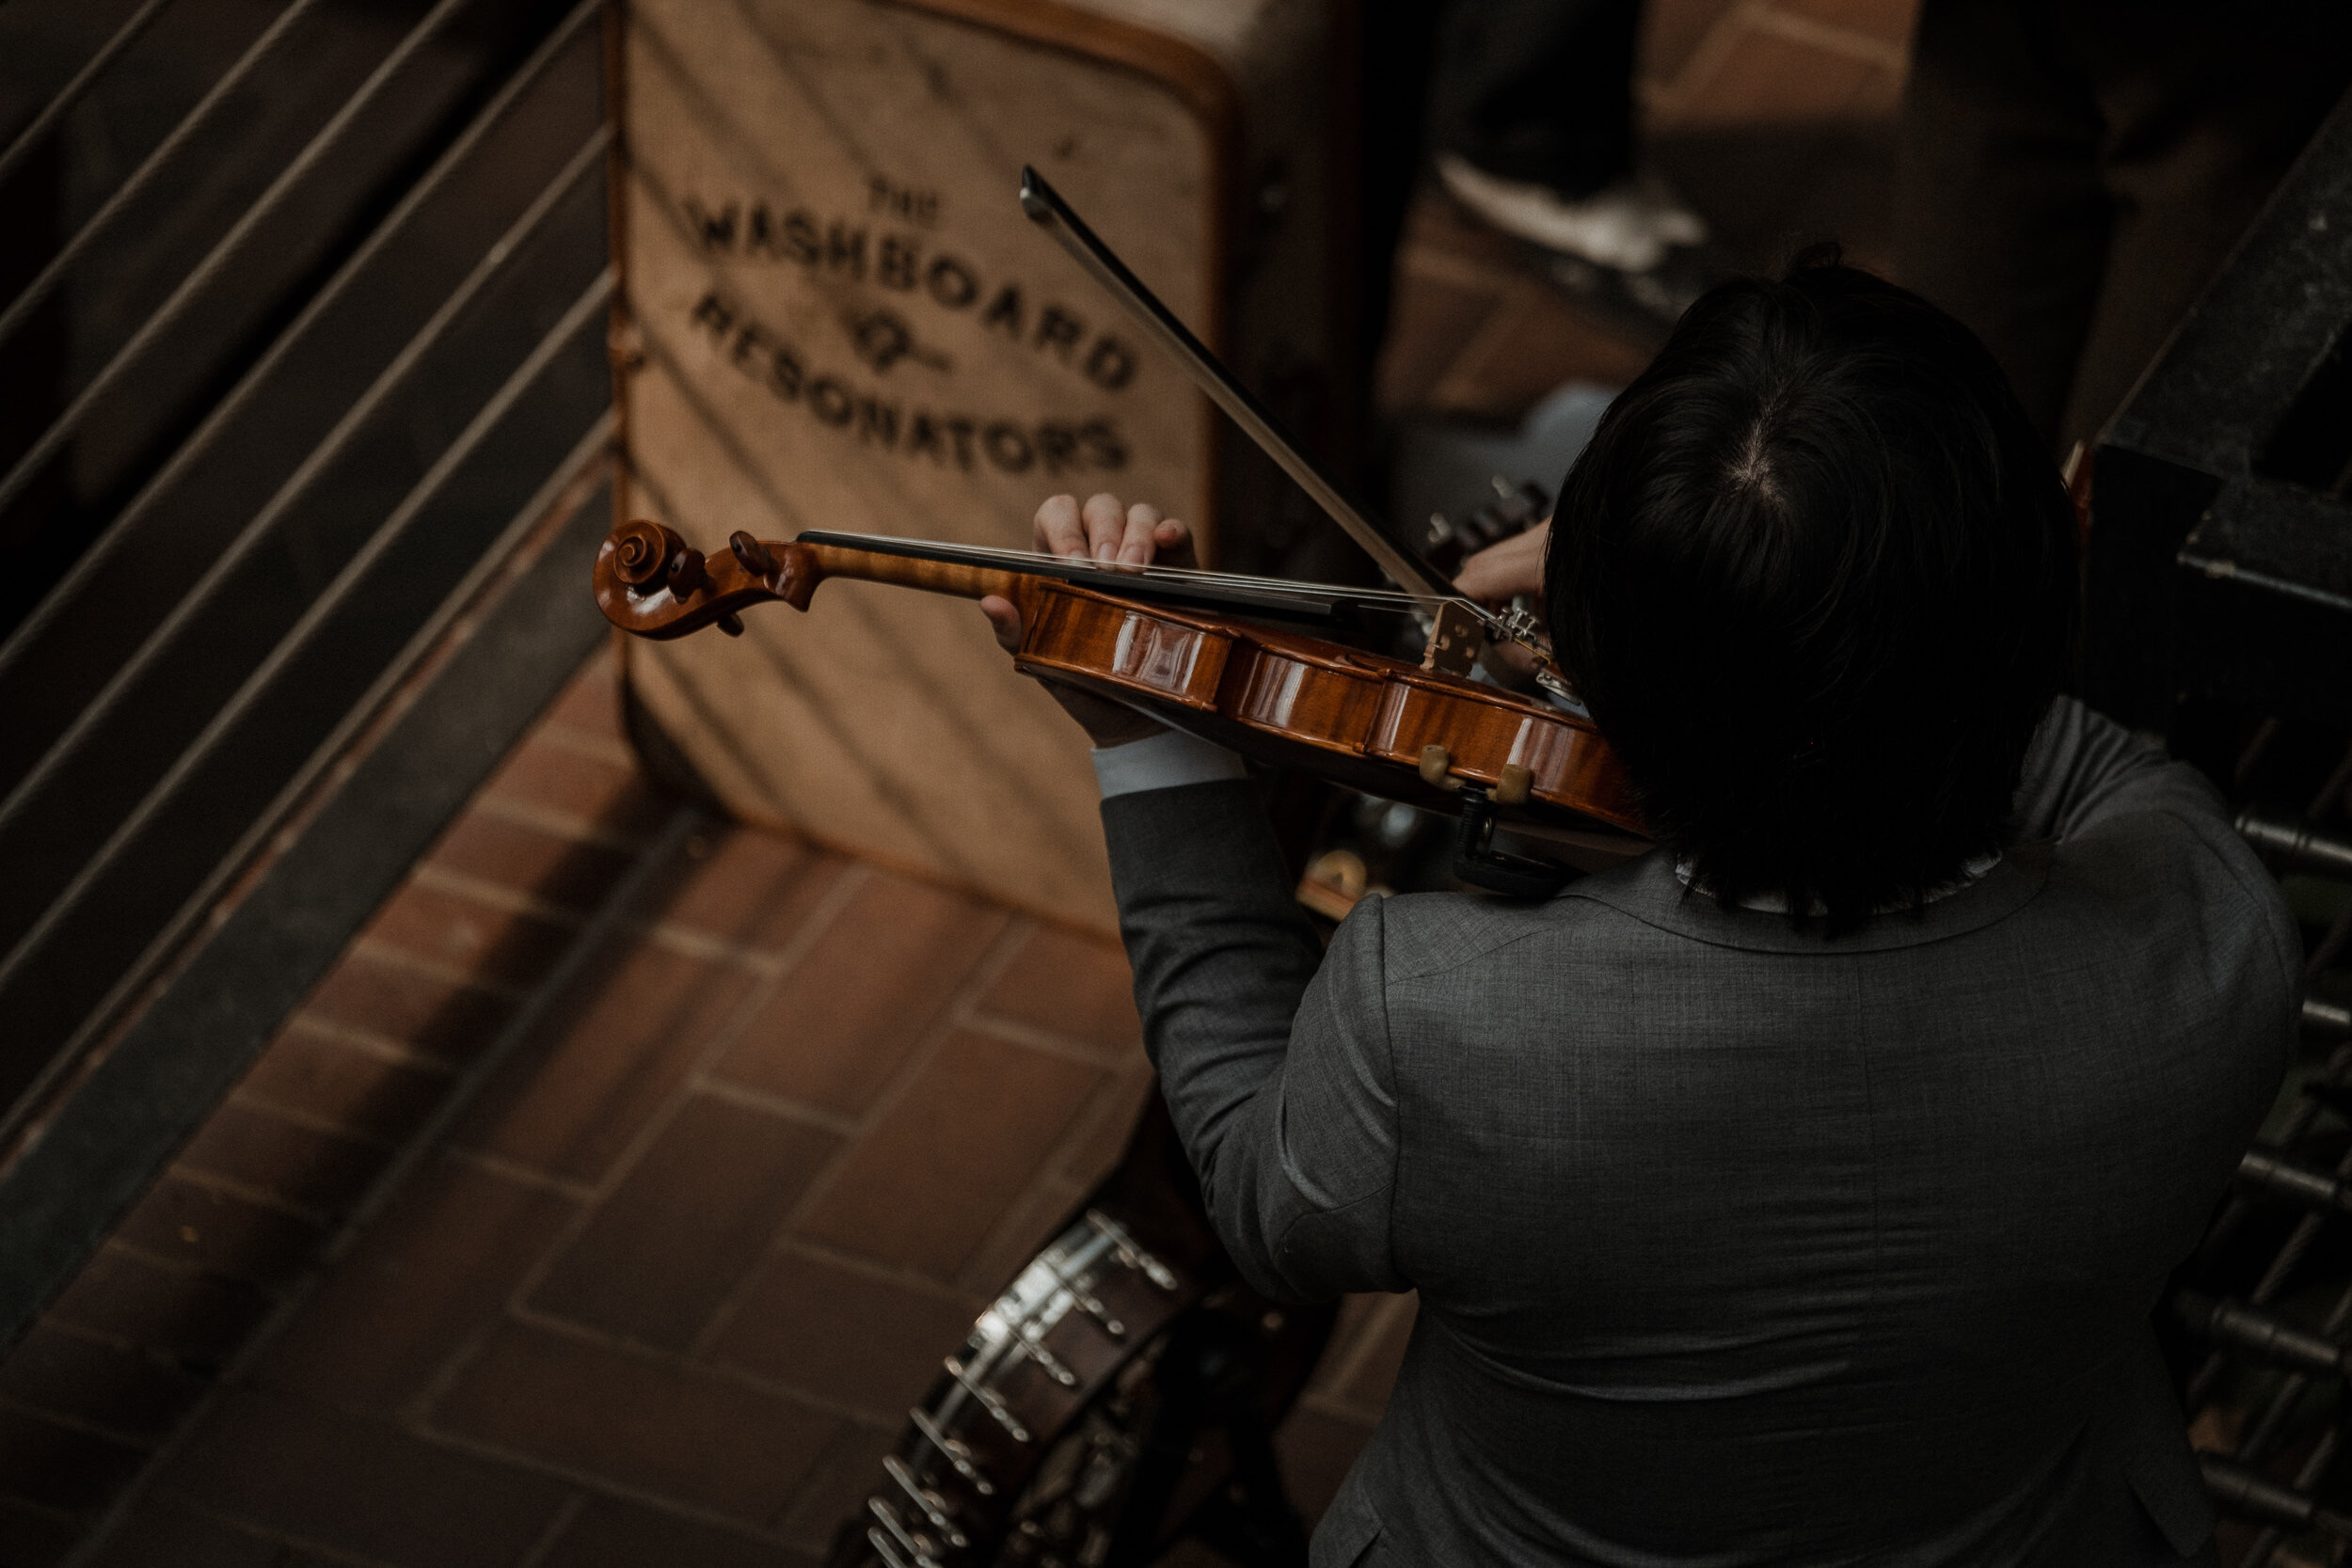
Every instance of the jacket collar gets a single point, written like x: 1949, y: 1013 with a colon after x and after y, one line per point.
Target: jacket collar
x: 1649, y: 891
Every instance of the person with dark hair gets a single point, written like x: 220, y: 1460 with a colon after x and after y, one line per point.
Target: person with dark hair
x: 1798, y: 1192
x: 1820, y: 584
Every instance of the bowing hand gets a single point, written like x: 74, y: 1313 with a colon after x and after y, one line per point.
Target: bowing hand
x: 1500, y: 573
x: 1496, y: 575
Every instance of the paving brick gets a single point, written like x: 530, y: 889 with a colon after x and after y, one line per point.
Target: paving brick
x: 372, y: 1093
x: 1767, y: 191
x: 1041, y: 1211
x: 1442, y: 238
x: 1107, y: 1125
x: 1880, y: 21
x: 194, y: 1319
x: 688, y: 1223
x: 592, y: 703
x: 1315, y: 1449
x: 843, y: 1336
x: 58, y: 1466
x: 301, y: 1165
x: 356, y: 1485
x: 1078, y: 987
x: 844, y: 1479
x: 1434, y: 317
x: 598, y: 1071
x: 610, y: 1534
x: 442, y: 1017
x: 1544, y: 341
x: 166, y: 1535
x: 676, y: 1430
x: 588, y: 795
x: 1366, y: 1359
x: 507, y: 947
x: 133, y: 1396
x: 1672, y: 31
x: 1348, y: 1329
x: 568, y: 872
x: 197, y: 1226
x: 421, y: 1284
x: 744, y: 886
x: 925, y: 1187
x: 1769, y: 79
x: 843, y: 1020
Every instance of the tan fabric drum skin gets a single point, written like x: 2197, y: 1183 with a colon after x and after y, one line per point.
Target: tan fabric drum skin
x: 833, y: 315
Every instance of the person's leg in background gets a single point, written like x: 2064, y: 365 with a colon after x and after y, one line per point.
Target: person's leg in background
x: 2075, y: 171
x: 1394, y: 52
x: 2205, y: 107
x: 1539, y: 91
x: 1999, y: 217
x: 1530, y: 119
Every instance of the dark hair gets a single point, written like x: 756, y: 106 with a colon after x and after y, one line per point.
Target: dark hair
x: 1815, y: 576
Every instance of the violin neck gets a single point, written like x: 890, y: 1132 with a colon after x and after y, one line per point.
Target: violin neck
x: 972, y: 570
x: 964, y: 580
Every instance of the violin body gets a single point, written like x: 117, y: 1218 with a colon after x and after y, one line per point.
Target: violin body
x: 1278, y: 696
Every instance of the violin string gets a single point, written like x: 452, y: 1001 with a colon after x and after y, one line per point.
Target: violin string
x: 1284, y: 586
x: 1376, y: 600
x: 1110, y: 568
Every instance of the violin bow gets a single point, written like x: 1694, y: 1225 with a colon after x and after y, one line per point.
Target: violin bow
x: 1407, y: 568
x: 1451, y: 641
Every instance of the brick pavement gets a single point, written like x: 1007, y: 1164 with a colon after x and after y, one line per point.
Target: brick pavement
x: 726, y: 1140
x: 612, y: 1196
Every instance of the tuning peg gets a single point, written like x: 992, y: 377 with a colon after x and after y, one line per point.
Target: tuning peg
x: 686, y: 572
x: 731, y: 624
x: 752, y: 555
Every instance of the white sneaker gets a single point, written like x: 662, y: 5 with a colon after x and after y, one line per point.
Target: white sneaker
x: 1628, y: 224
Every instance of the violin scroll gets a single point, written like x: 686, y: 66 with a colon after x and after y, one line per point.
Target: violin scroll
x: 640, y: 552
x: 652, y: 582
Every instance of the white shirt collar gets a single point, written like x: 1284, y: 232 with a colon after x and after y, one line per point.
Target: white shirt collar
x: 1971, y: 872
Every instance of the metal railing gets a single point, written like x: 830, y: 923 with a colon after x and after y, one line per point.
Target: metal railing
x: 339, y: 340
x: 2220, y: 613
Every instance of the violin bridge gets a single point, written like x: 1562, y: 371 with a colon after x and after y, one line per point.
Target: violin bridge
x: 1456, y: 636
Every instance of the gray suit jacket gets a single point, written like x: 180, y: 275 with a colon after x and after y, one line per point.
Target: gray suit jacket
x: 1738, y: 1245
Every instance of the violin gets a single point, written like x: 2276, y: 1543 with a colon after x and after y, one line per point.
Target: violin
x: 1235, y: 659
x: 1205, y: 652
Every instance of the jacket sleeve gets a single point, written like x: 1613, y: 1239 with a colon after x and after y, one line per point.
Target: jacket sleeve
x: 1274, y: 1057
x: 2086, y: 780
x: 2083, y: 767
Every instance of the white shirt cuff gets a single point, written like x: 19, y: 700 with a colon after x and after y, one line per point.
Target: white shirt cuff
x: 1163, y: 761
